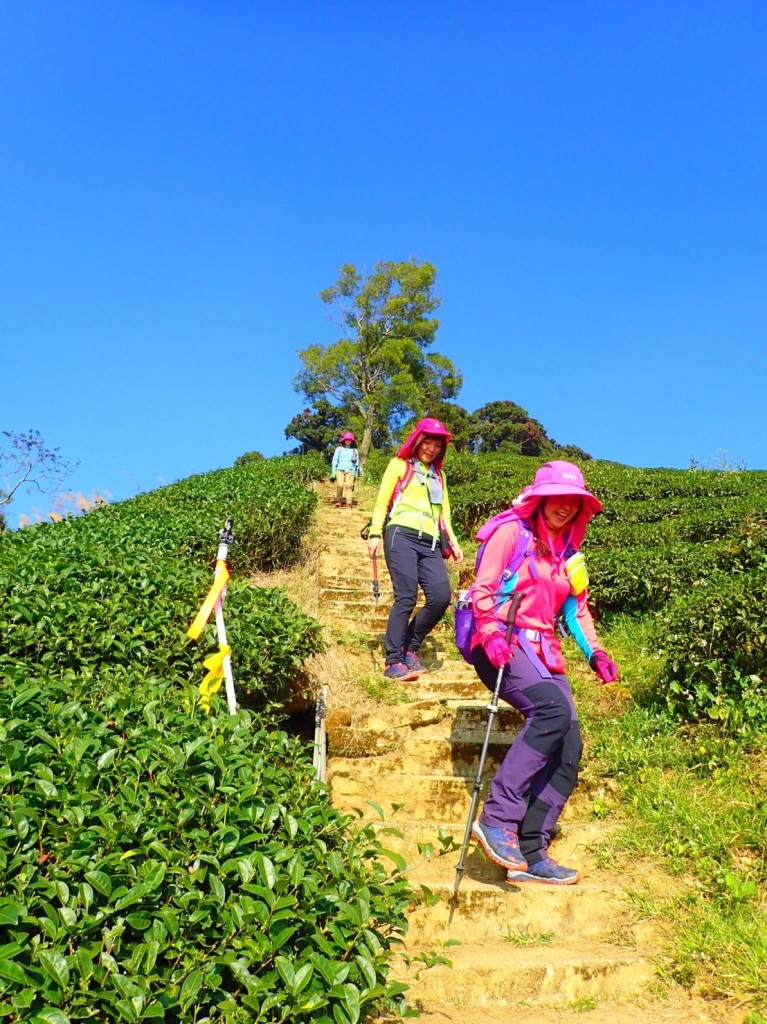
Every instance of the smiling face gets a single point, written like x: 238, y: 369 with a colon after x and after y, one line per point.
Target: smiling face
x: 429, y: 449
x: 559, y: 510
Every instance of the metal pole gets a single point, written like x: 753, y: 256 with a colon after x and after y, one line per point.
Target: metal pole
x: 492, y: 709
x: 320, y: 734
x: 225, y: 538
x: 376, y: 591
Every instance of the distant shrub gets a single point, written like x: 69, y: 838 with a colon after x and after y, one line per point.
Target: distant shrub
x: 376, y: 464
x: 242, y: 460
x: 302, y: 469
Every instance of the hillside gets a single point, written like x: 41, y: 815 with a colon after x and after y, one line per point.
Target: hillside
x: 158, y: 863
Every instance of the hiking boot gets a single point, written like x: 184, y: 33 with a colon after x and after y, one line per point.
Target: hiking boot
x: 414, y: 663
x: 500, y: 845
x: 546, y: 871
x: 401, y: 672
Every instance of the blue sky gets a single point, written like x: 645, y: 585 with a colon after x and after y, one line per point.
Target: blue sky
x: 179, y: 180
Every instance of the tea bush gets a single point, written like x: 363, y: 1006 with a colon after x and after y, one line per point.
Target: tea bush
x: 714, y: 642
x: 157, y: 865
x: 119, y: 586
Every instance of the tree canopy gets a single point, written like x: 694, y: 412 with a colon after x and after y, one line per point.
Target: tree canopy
x: 379, y: 369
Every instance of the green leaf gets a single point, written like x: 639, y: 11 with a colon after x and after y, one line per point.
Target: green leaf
x: 100, y: 881
x: 267, y: 872
x: 51, y: 1015
x: 190, y: 989
x: 55, y: 966
x: 12, y: 971
x: 335, y: 864
x: 286, y: 972
x: 155, y: 876
x: 367, y: 969
x: 302, y: 978
x: 106, y: 758
x: 68, y: 916
x: 84, y: 963
x: 47, y: 789
x: 10, y: 910
x: 398, y: 859
x: 217, y: 888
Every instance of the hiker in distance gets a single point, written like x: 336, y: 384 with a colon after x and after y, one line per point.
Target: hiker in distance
x: 345, y: 469
x: 533, y: 549
x: 412, y: 512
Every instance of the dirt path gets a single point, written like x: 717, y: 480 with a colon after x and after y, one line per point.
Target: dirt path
x: 523, y: 953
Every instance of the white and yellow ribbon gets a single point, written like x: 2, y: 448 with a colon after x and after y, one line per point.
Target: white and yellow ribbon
x: 220, y: 581
x: 211, y: 684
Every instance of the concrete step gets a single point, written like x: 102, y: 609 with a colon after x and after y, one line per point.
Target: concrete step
x: 432, y: 848
x: 433, y: 686
x: 520, y: 915
x: 366, y: 734
x: 357, y: 785
x: 419, y: 798
x: 678, y: 1009
x: 550, y: 977
x: 417, y: 755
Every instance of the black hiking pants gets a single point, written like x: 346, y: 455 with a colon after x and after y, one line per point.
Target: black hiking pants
x: 412, y: 563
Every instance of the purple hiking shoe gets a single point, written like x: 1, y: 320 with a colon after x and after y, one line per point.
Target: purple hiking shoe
x: 546, y: 871
x: 500, y: 845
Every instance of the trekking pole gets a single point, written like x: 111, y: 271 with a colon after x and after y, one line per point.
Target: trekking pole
x: 319, y: 759
x: 225, y: 538
x: 376, y: 591
x: 492, y: 709
x: 219, y: 665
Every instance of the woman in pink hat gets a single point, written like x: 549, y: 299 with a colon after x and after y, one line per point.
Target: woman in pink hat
x: 345, y: 469
x: 412, y: 512
x: 540, y: 769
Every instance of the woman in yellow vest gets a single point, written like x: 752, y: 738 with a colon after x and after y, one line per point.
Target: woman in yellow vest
x: 412, y: 513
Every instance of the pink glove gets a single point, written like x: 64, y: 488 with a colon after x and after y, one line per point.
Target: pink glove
x: 497, y: 650
x: 605, y: 669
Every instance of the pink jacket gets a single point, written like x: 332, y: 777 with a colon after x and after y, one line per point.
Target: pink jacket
x: 542, y: 597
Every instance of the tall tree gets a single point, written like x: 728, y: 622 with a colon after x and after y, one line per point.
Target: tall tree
x: 507, y: 424
x: 317, y: 429
x: 380, y: 368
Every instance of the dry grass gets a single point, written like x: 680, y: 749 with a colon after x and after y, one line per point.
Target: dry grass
x: 351, y: 667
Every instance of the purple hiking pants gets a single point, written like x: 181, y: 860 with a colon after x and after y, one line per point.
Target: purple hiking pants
x: 540, y: 769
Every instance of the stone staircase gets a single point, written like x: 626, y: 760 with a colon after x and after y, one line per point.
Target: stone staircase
x: 519, y: 953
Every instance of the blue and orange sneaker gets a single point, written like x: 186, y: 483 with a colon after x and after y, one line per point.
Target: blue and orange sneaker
x: 401, y: 672
x: 546, y: 871
x: 500, y: 845
x: 414, y: 663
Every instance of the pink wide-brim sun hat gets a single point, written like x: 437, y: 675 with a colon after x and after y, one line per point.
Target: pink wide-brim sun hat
x: 426, y: 427
x: 557, y: 478
x: 348, y: 436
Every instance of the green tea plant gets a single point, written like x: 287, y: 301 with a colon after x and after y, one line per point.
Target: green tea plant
x: 159, y: 865
x: 118, y: 586
x: 715, y: 647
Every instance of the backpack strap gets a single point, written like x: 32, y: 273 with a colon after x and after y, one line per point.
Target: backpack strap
x: 399, y: 487
x: 524, y: 547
